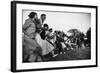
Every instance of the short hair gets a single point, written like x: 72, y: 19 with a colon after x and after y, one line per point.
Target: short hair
x: 45, y: 25
x: 32, y: 14
x: 43, y: 15
x: 50, y: 29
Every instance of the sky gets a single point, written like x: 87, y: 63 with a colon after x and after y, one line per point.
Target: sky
x: 64, y: 21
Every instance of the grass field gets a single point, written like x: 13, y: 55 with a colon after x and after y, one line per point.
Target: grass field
x: 75, y: 54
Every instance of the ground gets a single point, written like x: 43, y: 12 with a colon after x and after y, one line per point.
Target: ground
x: 76, y: 54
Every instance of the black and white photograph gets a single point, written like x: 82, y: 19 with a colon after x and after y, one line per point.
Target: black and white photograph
x: 56, y: 36
x: 53, y: 36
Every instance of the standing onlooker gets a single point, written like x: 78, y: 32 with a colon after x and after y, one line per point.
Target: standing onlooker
x: 42, y: 18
